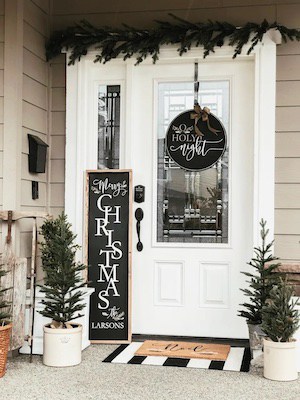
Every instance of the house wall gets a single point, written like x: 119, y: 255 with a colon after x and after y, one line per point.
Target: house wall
x: 35, y: 106
x: 287, y: 173
x: 2, y: 18
x: 24, y: 105
x: 57, y: 133
x: 142, y: 14
x: 35, y: 97
x: 12, y: 109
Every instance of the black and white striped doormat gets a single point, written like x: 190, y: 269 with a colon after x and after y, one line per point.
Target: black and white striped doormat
x: 238, y: 359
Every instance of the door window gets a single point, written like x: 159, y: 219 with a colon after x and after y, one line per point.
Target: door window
x: 192, y: 207
x: 108, y: 126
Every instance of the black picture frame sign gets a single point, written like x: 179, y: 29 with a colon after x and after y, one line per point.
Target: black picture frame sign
x: 191, y: 151
x: 108, y: 254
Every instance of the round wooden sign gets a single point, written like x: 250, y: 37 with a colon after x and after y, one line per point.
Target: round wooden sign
x: 196, y: 141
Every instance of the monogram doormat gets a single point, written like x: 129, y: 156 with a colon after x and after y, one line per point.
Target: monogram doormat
x: 209, y: 351
x: 238, y: 359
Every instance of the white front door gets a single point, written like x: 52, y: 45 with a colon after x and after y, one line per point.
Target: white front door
x: 199, y: 228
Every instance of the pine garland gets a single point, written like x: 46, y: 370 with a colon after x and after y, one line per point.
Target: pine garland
x: 141, y: 43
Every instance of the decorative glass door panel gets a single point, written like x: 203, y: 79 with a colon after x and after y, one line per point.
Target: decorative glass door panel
x: 108, y: 126
x: 192, y: 207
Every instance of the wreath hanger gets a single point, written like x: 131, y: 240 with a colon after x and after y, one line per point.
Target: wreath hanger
x: 200, y: 113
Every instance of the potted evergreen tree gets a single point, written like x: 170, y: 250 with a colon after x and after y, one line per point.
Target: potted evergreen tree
x: 63, y: 297
x: 280, y: 322
x: 5, y: 325
x: 260, y: 281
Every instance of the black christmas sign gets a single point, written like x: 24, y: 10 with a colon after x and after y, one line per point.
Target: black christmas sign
x: 108, y: 254
x: 196, y: 139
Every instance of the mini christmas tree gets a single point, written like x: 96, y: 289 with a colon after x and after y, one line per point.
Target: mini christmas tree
x: 4, y: 305
x: 261, y: 280
x: 280, y: 318
x: 62, y: 282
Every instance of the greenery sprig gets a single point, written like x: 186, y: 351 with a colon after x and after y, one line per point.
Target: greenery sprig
x: 141, y: 43
x: 260, y: 280
x: 280, y: 317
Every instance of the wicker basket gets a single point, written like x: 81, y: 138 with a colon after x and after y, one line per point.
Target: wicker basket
x: 4, y: 344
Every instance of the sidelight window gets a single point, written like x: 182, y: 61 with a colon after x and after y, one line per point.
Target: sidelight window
x: 108, y: 126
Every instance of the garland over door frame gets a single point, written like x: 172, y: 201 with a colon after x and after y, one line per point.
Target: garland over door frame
x: 77, y: 126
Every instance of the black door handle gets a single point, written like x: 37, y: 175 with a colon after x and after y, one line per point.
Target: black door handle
x: 139, y: 215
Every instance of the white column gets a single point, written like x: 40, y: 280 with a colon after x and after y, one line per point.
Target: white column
x: 264, y: 137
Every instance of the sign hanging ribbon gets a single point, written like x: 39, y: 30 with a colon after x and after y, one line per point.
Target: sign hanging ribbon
x: 200, y: 113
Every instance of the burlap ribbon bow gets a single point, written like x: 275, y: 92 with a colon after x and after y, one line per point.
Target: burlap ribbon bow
x: 202, y: 114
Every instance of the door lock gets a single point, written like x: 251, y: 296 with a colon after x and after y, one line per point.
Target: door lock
x: 139, y: 194
x: 139, y: 215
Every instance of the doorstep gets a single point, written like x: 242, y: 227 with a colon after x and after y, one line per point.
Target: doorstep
x: 231, y: 342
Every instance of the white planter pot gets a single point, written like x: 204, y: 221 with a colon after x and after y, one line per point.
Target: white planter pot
x: 40, y: 322
x: 280, y: 360
x: 62, y: 347
x: 255, y: 337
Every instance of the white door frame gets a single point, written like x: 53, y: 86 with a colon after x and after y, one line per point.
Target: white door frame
x: 78, y: 127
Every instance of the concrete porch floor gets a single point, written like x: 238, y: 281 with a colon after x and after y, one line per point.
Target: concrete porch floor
x: 96, y: 380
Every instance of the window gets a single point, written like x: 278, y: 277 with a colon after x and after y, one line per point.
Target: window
x: 192, y: 207
x: 108, y: 126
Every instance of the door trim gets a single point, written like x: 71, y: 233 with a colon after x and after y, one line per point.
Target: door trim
x: 77, y: 159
